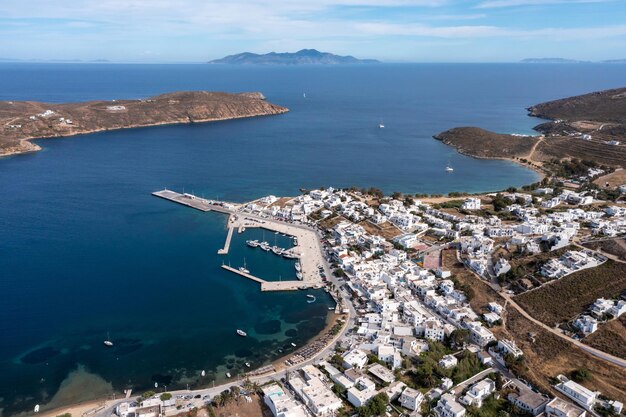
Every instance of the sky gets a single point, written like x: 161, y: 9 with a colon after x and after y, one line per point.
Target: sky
x: 174, y: 31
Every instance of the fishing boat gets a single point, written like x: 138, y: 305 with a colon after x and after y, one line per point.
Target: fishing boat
x: 108, y: 342
x: 227, y: 374
x: 242, y: 333
x: 331, y: 308
x: 277, y: 250
x: 265, y: 246
x: 295, y: 241
x: 381, y: 126
x: 298, y: 267
x: 37, y: 408
x: 203, y: 373
x: 299, y: 275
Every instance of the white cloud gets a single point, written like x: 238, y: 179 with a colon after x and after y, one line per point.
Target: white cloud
x: 491, y: 4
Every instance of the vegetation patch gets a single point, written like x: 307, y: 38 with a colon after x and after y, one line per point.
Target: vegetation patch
x: 564, y: 299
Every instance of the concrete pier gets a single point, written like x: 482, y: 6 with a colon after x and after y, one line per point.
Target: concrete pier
x: 229, y: 237
x: 273, y: 285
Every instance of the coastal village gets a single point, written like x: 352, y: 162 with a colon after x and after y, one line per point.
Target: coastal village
x: 423, y: 288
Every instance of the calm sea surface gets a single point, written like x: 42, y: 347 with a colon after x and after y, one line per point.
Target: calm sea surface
x: 86, y: 251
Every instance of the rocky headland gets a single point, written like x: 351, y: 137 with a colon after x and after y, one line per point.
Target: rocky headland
x: 586, y: 127
x: 21, y: 121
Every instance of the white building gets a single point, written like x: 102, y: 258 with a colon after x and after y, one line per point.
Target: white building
x: 586, y: 324
x: 448, y: 361
x: 320, y: 399
x: 560, y: 408
x: 501, y: 267
x: 411, y: 399
x: 447, y: 406
x: 577, y: 392
x: 471, y: 204
x: 362, y: 391
x: 478, y: 392
x: 355, y: 358
x: 281, y: 404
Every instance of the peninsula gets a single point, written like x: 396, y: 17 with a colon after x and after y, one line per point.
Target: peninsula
x: 588, y: 127
x: 302, y: 57
x: 21, y: 121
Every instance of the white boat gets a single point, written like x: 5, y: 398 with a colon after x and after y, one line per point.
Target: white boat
x: 242, y: 333
x: 331, y: 308
x: 203, y: 373
x: 299, y: 275
x: 311, y: 299
x: 310, y: 296
x: 298, y: 267
x: 265, y: 246
x: 252, y: 243
x: 449, y: 168
x: 248, y: 364
x: 277, y: 250
x: 381, y: 126
x: 290, y: 255
x: 108, y: 342
x: 227, y: 374
x: 293, y: 344
x: 303, y: 95
x: 37, y: 408
x: 243, y: 268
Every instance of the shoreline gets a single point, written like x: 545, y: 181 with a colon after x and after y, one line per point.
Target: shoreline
x: 25, y: 146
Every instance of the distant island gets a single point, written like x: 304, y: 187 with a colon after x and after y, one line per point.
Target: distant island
x: 569, y: 61
x: 302, y: 57
x: 21, y: 121
x: 589, y: 127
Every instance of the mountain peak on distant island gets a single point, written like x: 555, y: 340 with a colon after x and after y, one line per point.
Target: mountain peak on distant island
x: 302, y: 57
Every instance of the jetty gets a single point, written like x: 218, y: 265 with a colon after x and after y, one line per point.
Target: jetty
x: 229, y: 237
x: 274, y: 285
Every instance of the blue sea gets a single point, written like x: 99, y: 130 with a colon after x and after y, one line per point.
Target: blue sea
x: 87, y: 253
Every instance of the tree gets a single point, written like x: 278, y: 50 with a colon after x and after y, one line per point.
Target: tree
x: 396, y: 195
x: 459, y: 337
x: 581, y: 374
x: 165, y: 396
x: 217, y: 400
x: 147, y: 394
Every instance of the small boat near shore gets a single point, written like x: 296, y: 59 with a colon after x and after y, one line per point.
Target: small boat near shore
x: 311, y: 298
x: 252, y: 243
x: 228, y: 375
x: 277, y: 250
x: 247, y: 364
x: 298, y: 267
x: 241, y: 333
x: 108, y: 342
x: 299, y: 275
x: 293, y: 344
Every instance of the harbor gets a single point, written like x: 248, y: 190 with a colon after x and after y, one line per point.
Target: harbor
x: 307, y: 249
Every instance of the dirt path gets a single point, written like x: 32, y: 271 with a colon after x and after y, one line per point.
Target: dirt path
x: 529, y: 157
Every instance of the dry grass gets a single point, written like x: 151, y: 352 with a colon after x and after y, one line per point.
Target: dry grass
x: 564, y: 299
x: 241, y: 409
x: 330, y: 222
x: 615, y: 247
x: 548, y: 355
x: 386, y: 230
x: 610, y: 337
x: 614, y: 179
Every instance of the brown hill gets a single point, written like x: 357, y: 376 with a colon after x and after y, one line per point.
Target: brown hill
x: 24, y: 120
x: 608, y: 106
x: 482, y: 143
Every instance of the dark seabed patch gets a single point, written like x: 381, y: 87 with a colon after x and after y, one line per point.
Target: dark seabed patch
x: 268, y: 327
x: 40, y: 355
x: 291, y: 333
x: 162, y: 379
x: 243, y: 353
